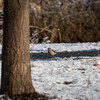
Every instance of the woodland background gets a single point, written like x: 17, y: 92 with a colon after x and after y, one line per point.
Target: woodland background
x: 63, y: 21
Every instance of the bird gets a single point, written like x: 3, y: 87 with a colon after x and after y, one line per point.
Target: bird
x: 51, y: 52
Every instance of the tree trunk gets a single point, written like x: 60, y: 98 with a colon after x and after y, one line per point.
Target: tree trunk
x: 16, y: 70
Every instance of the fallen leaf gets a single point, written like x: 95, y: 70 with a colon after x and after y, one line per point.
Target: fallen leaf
x: 68, y: 82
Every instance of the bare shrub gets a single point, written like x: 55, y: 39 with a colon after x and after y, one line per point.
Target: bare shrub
x: 65, y: 20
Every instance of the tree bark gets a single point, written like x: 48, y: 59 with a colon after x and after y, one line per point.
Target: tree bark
x: 16, y: 70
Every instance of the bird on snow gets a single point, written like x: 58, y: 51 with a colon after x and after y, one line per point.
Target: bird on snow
x: 51, y: 52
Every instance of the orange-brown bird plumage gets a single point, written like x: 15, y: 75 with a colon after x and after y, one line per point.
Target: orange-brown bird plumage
x: 51, y: 52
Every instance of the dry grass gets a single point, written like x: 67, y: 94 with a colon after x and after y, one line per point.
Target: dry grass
x: 65, y: 21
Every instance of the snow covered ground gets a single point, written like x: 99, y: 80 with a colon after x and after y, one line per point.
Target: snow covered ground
x: 74, y: 78
x: 64, y: 47
x: 68, y: 79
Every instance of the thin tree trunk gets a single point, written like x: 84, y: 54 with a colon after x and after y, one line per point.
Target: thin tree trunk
x: 16, y: 70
